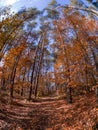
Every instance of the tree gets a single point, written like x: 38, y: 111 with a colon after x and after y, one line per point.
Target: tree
x: 73, y: 53
x: 11, y: 63
x: 11, y: 25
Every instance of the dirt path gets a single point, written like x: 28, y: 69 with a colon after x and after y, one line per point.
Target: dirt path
x: 49, y: 115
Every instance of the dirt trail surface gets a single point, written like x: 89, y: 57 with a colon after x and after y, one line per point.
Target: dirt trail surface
x: 49, y: 114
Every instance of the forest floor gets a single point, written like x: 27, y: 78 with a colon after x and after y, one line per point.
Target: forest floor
x: 48, y: 114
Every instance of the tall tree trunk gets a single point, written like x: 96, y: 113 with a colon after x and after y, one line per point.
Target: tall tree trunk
x: 39, y: 68
x: 96, y: 65
x: 37, y: 78
x: 12, y: 78
x: 69, y: 95
x: 68, y: 92
x: 33, y: 68
x: 23, y: 82
x: 96, y: 90
x: 3, y: 80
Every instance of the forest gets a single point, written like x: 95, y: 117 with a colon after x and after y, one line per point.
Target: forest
x: 49, y: 68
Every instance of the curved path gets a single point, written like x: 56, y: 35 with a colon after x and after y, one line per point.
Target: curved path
x: 48, y: 115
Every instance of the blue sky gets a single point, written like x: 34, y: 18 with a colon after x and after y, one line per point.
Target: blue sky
x: 40, y: 4
x: 18, y: 4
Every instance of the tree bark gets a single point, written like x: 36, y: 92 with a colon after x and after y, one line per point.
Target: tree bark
x: 33, y: 69
x: 23, y: 82
x: 96, y: 95
x: 12, y: 78
x: 69, y: 95
x: 39, y: 68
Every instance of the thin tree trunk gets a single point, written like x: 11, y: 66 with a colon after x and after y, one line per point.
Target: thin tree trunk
x: 22, y: 91
x: 96, y: 95
x: 38, y: 74
x: 23, y: 82
x: 32, y: 74
x: 39, y: 68
x: 2, y: 81
x: 13, y: 75
x: 69, y: 95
